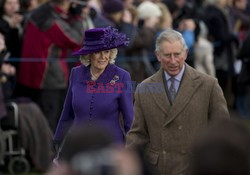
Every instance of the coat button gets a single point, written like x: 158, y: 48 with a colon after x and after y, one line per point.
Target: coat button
x: 180, y: 127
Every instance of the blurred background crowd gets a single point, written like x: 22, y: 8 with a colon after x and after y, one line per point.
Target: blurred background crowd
x: 37, y: 39
x: 216, y: 32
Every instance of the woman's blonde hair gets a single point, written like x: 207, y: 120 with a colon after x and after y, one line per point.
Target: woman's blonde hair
x: 85, y: 59
x: 166, y: 18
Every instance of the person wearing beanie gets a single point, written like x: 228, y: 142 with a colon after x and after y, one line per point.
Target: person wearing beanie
x: 148, y: 9
x: 111, y: 15
x: 116, y: 15
x: 149, y: 17
x: 113, y: 6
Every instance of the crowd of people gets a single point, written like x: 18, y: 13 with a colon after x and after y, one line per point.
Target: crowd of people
x: 151, y: 74
x: 43, y: 67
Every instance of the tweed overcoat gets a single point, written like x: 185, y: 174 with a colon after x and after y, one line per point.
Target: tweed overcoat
x: 166, y: 131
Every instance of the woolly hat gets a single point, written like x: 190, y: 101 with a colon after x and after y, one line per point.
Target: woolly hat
x: 112, y: 6
x: 148, y: 9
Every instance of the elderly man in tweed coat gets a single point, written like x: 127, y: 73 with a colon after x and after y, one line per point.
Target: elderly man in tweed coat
x: 173, y: 106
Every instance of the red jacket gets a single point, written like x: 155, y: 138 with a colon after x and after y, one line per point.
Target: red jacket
x: 49, y: 39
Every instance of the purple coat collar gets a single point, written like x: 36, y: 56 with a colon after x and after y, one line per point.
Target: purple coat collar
x: 105, y: 77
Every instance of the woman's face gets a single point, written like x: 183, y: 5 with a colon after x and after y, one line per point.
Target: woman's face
x: 100, y: 60
x: 241, y: 4
x: 128, y: 2
x: 11, y: 7
x: 33, y: 4
x: 222, y: 3
x: 116, y: 17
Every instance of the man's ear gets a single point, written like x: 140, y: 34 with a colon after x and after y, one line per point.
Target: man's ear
x: 186, y: 53
x: 157, y: 54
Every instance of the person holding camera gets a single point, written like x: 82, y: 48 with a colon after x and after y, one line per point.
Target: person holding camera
x: 11, y: 26
x: 51, y: 34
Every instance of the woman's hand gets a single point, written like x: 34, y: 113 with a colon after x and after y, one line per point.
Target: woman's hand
x: 8, y: 69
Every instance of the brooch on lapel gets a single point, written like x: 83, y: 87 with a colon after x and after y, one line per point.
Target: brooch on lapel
x: 115, y: 79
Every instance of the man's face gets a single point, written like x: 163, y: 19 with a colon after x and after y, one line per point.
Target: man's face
x: 172, y: 56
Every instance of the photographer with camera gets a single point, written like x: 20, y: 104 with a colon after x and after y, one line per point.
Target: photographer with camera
x: 52, y: 32
x: 11, y: 27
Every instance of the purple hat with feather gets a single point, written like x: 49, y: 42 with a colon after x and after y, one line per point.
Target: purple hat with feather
x: 99, y: 39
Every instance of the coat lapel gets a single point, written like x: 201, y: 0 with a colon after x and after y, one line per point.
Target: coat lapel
x: 189, y: 85
x: 160, y: 98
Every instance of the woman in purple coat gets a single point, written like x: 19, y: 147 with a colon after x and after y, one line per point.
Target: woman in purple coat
x: 99, y: 91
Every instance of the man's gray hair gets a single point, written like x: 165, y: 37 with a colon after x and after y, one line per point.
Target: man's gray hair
x: 170, y: 36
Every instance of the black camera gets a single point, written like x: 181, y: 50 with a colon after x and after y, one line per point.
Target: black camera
x: 76, y: 7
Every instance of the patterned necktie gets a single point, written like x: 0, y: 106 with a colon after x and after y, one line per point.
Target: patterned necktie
x: 172, y: 90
